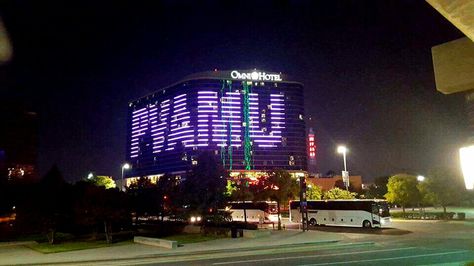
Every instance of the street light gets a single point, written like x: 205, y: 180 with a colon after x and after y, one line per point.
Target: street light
x: 90, y: 176
x: 420, y: 178
x: 125, y: 166
x: 343, y: 150
x: 466, y: 155
x: 345, y: 175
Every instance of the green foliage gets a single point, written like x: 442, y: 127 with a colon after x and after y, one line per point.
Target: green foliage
x: 71, y: 246
x: 52, y: 205
x: 168, y: 194
x: 402, y: 189
x: 102, y: 181
x: 145, y: 198
x: 378, y: 189
x: 240, y: 190
x: 337, y: 193
x: 314, y: 192
x: 423, y: 215
x: 441, y: 188
x: 47, y: 204
x: 278, y: 186
x: 205, y: 185
x: 97, y: 207
x: 230, y: 188
x: 193, y: 238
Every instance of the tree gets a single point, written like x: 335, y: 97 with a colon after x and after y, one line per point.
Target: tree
x: 378, y: 189
x: 330, y: 173
x: 168, y: 188
x: 402, y: 189
x: 240, y: 191
x: 314, y: 192
x: 48, y: 204
x: 340, y: 184
x: 145, y: 197
x: 203, y: 189
x: 441, y: 187
x: 278, y: 186
x: 102, y: 180
x: 96, y: 206
x: 337, y: 193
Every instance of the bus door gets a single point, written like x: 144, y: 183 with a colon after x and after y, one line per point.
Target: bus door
x: 375, y: 214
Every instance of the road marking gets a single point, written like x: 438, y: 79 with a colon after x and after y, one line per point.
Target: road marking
x: 310, y: 256
x: 385, y: 259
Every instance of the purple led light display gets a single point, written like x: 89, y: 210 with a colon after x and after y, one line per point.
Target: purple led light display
x: 218, y: 121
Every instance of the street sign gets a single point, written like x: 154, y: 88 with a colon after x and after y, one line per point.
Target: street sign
x: 345, y: 178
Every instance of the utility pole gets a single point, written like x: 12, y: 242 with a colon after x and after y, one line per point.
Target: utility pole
x: 303, y: 204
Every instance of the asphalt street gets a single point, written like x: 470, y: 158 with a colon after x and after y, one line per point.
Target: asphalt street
x: 373, y: 255
x: 406, y: 243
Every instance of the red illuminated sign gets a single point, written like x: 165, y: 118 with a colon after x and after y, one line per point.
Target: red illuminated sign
x: 311, y: 146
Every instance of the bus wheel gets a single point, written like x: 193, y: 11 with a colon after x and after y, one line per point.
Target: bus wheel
x: 312, y: 222
x: 366, y: 224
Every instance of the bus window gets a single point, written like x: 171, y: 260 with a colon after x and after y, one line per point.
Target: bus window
x: 375, y: 209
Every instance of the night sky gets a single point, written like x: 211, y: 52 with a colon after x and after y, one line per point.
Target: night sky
x: 366, y: 66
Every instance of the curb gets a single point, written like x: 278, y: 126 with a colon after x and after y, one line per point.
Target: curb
x: 17, y: 243
x: 205, y: 252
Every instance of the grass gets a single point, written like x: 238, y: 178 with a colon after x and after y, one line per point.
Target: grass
x: 72, y: 245
x: 192, y: 238
x: 66, y: 246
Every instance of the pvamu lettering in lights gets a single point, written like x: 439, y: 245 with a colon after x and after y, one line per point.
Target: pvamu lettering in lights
x: 467, y: 165
x: 219, y: 122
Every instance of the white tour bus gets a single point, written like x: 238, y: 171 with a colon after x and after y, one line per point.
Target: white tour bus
x: 357, y: 212
x: 257, y: 212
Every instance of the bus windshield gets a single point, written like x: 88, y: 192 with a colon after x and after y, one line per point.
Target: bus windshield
x: 384, y: 211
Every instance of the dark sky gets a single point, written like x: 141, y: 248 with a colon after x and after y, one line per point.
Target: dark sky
x: 366, y: 66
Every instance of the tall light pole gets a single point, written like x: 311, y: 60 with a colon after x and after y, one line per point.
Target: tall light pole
x: 420, y: 178
x: 345, y: 175
x: 125, y: 166
x: 466, y: 154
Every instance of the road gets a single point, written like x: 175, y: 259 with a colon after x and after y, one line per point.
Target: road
x: 407, y: 243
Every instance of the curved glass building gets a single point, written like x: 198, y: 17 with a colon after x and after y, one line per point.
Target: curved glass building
x: 251, y: 120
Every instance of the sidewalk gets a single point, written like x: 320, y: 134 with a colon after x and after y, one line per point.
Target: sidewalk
x: 10, y: 255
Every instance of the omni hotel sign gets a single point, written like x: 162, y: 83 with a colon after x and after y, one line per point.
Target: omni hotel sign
x: 258, y: 76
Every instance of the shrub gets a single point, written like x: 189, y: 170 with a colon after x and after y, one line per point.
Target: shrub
x: 424, y: 215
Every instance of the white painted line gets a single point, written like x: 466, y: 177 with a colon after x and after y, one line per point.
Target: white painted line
x: 391, y: 258
x: 310, y: 256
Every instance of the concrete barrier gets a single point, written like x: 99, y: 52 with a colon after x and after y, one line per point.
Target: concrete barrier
x: 157, y: 242
x: 256, y: 233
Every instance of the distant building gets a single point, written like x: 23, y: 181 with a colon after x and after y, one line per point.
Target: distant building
x: 252, y: 121
x: 18, y: 143
x: 327, y: 183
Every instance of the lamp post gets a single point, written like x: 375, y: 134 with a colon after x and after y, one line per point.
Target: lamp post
x: 345, y: 175
x: 466, y: 155
x: 125, y: 166
x: 420, y: 178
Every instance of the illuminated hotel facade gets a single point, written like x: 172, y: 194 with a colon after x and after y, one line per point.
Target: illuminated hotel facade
x: 252, y: 121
